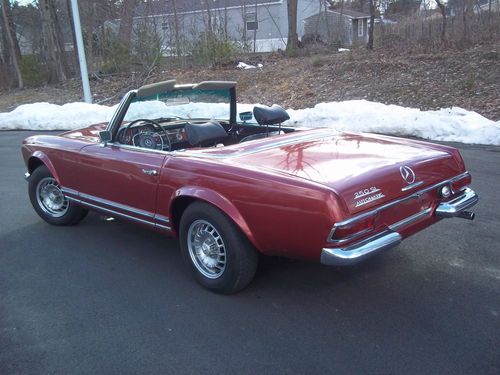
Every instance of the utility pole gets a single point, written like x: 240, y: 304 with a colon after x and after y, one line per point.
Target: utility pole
x: 81, y: 52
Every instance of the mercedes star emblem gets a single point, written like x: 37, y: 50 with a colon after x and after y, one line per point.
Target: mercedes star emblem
x: 407, y: 174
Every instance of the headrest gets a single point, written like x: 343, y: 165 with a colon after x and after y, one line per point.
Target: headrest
x: 197, y: 134
x: 270, y: 115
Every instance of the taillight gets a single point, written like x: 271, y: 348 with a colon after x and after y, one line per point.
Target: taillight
x: 461, y: 183
x: 351, y: 230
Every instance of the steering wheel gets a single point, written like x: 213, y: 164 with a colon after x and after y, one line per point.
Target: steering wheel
x: 148, y: 139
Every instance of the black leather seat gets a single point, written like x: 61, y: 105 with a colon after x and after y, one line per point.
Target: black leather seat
x: 204, y: 134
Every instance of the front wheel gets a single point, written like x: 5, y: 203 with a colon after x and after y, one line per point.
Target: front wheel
x: 220, y: 255
x: 49, y: 201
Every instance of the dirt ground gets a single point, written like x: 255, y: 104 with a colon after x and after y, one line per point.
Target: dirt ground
x: 469, y: 79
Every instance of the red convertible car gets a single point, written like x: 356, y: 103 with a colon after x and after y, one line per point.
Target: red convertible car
x: 233, y: 186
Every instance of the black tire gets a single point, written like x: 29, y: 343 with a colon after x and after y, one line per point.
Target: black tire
x: 240, y: 259
x: 68, y: 214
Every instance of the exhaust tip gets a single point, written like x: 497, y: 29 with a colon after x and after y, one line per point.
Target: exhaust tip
x: 468, y: 215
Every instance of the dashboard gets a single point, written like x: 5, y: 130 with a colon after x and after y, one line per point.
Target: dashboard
x: 151, y: 136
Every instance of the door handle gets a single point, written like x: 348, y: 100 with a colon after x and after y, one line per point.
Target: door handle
x: 150, y: 172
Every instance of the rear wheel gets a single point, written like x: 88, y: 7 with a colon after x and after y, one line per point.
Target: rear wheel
x: 49, y: 201
x: 220, y: 255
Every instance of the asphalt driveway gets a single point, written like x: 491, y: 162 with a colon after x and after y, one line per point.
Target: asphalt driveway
x: 108, y: 297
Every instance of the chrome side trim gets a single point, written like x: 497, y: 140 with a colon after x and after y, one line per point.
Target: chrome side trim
x: 360, y: 251
x: 129, y: 209
x: 163, y: 227
x: 116, y: 213
x: 162, y: 218
x: 117, y: 205
x: 455, y: 206
x: 69, y: 191
x: 414, y: 195
x: 411, y: 219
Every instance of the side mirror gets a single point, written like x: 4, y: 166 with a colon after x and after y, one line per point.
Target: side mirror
x: 246, y: 116
x: 105, y: 136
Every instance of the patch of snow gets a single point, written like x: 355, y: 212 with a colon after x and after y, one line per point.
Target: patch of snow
x: 448, y: 124
x: 46, y: 116
x: 242, y: 65
x: 344, y: 50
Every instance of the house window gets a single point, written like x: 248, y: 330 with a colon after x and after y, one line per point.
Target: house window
x: 164, y: 26
x: 251, y: 22
x: 360, y: 27
x: 252, y: 25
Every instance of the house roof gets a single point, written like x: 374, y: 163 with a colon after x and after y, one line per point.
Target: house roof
x: 350, y: 13
x: 157, y: 7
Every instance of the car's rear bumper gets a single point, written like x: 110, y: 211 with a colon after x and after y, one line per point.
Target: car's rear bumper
x: 456, y: 206
x: 368, y: 247
x: 361, y: 250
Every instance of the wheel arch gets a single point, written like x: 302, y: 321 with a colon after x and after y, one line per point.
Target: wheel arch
x: 39, y: 158
x: 185, y: 196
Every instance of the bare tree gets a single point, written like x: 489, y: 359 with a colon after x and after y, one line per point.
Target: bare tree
x: 442, y: 10
x: 372, y: 24
x: 176, y: 30
x: 126, y: 21
x: 12, y: 43
x: 293, y: 39
x: 56, y: 60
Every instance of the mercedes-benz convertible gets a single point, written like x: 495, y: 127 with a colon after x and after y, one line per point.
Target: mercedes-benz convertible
x: 181, y: 160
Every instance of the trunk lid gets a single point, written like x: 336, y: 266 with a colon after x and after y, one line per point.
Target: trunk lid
x: 366, y: 170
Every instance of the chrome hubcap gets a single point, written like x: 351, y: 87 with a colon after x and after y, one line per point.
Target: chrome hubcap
x: 50, y: 197
x: 206, y: 249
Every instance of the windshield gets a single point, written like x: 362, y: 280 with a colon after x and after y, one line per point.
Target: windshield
x: 182, y: 104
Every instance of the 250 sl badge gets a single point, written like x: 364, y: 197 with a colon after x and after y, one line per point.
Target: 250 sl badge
x: 364, y: 192
x: 368, y: 194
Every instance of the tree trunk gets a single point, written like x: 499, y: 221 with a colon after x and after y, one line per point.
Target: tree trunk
x: 4, y: 43
x: 71, y: 26
x: 442, y: 9
x: 177, y: 31
x: 12, y: 44
x: 371, y: 26
x: 209, y: 19
x: 293, y: 39
x: 12, y: 28
x: 126, y: 22
x: 52, y: 36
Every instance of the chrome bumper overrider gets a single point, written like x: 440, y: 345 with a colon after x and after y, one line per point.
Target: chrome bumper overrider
x: 368, y: 247
x: 27, y: 176
x: 456, y: 206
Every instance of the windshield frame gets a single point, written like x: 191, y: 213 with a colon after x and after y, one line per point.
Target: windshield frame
x: 119, y: 115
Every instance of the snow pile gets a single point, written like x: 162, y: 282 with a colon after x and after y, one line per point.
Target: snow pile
x: 451, y: 124
x: 45, y: 116
x: 242, y: 65
x: 447, y: 124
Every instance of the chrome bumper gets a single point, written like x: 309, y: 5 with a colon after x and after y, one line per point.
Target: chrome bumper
x: 456, y: 206
x: 360, y: 251
x: 27, y: 176
x: 368, y: 247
